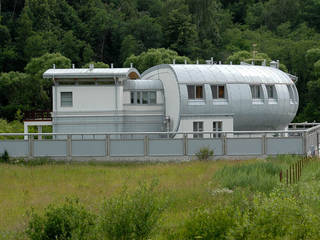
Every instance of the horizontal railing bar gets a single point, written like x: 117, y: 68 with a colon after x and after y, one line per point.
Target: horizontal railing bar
x: 151, y: 133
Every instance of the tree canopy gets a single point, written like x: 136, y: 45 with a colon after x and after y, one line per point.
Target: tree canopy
x: 34, y: 34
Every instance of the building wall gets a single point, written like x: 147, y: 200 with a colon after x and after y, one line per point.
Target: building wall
x: 171, y: 94
x: 90, y: 98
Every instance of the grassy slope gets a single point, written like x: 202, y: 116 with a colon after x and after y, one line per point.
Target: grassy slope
x: 22, y: 188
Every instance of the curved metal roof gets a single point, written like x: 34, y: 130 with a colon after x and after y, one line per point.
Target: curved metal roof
x: 205, y: 73
x: 89, y: 73
x: 141, y: 84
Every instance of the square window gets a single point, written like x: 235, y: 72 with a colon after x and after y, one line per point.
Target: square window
x: 218, y: 91
x: 217, y: 127
x: 256, y: 91
x: 271, y: 90
x: 66, y: 99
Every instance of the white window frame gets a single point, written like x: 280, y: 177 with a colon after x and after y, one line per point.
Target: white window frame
x: 63, y: 102
x: 256, y: 91
x: 143, y: 97
x: 217, y: 127
x: 274, y: 91
x: 195, y: 92
x: 198, y: 127
x: 291, y: 93
x: 215, y: 91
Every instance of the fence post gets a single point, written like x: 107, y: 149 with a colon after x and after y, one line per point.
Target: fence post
x: 290, y: 174
x: 108, y: 145
x: 31, y: 146
x: 225, y: 150
x: 264, y: 145
x: 317, y: 149
x: 281, y: 176
x: 146, y: 145
x: 185, y: 144
x: 69, y: 147
x: 305, y: 143
x: 287, y: 176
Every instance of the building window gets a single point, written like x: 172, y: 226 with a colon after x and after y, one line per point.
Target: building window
x: 290, y: 90
x: 66, y: 99
x: 217, y: 127
x: 195, y: 91
x: 271, y: 90
x: 256, y: 91
x: 218, y: 91
x: 198, y: 127
x: 143, y: 97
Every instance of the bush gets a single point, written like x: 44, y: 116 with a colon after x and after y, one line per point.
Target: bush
x: 260, y: 176
x: 204, y: 153
x: 132, y: 216
x: 69, y: 221
x: 212, y: 223
x: 5, y: 157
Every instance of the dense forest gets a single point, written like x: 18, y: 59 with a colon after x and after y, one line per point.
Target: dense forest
x: 35, y: 34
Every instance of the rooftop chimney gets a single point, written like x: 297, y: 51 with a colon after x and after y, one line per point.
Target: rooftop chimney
x: 54, y: 66
x: 174, y: 61
x: 131, y: 65
x: 211, y: 60
x: 111, y: 65
x: 185, y: 61
x: 197, y: 61
x: 72, y: 66
x: 273, y: 64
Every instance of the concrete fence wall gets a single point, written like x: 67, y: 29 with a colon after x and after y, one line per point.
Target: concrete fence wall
x: 146, y: 146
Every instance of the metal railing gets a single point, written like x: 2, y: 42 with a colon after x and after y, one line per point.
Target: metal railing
x: 43, y: 115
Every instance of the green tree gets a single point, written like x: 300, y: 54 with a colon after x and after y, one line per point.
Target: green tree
x: 180, y: 33
x: 36, y: 67
x: 154, y: 57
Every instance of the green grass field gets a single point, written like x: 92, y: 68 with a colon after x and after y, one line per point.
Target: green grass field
x: 24, y: 187
x: 185, y: 186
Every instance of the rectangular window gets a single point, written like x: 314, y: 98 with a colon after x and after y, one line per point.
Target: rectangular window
x: 143, y: 97
x: 66, y: 99
x: 256, y: 91
x: 217, y: 127
x: 153, y: 97
x: 195, y: 92
x: 218, y: 91
x: 271, y: 91
x: 198, y: 127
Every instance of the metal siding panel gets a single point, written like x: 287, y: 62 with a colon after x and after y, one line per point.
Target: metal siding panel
x: 216, y: 145
x: 127, y: 148
x: 93, y: 148
x: 285, y: 145
x: 50, y: 148
x: 15, y: 148
x: 166, y: 147
x: 244, y: 146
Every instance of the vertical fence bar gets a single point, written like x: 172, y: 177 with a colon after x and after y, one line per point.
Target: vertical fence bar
x: 287, y: 176
x: 281, y: 176
x: 31, y: 144
x: 185, y: 144
x: 69, y: 147
x: 146, y: 145
x: 290, y: 174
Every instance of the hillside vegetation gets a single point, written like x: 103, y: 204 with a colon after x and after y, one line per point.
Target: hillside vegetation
x: 35, y: 34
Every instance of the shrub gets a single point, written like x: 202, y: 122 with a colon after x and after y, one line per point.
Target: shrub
x: 5, y: 157
x: 131, y: 216
x: 204, y: 153
x: 214, y: 223
x: 69, y: 221
x: 260, y: 176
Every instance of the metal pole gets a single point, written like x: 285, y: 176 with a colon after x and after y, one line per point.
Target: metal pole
x: 287, y: 176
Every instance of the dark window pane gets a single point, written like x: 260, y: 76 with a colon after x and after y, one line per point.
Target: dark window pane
x: 66, y: 99
x: 214, y: 90
x: 191, y: 92
x: 132, y: 97
x: 199, y: 92
x: 138, y: 98
x: 221, y: 91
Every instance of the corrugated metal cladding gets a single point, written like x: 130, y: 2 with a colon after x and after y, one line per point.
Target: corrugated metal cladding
x: 197, y: 73
x: 248, y: 113
x: 89, y: 73
x: 142, y: 85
